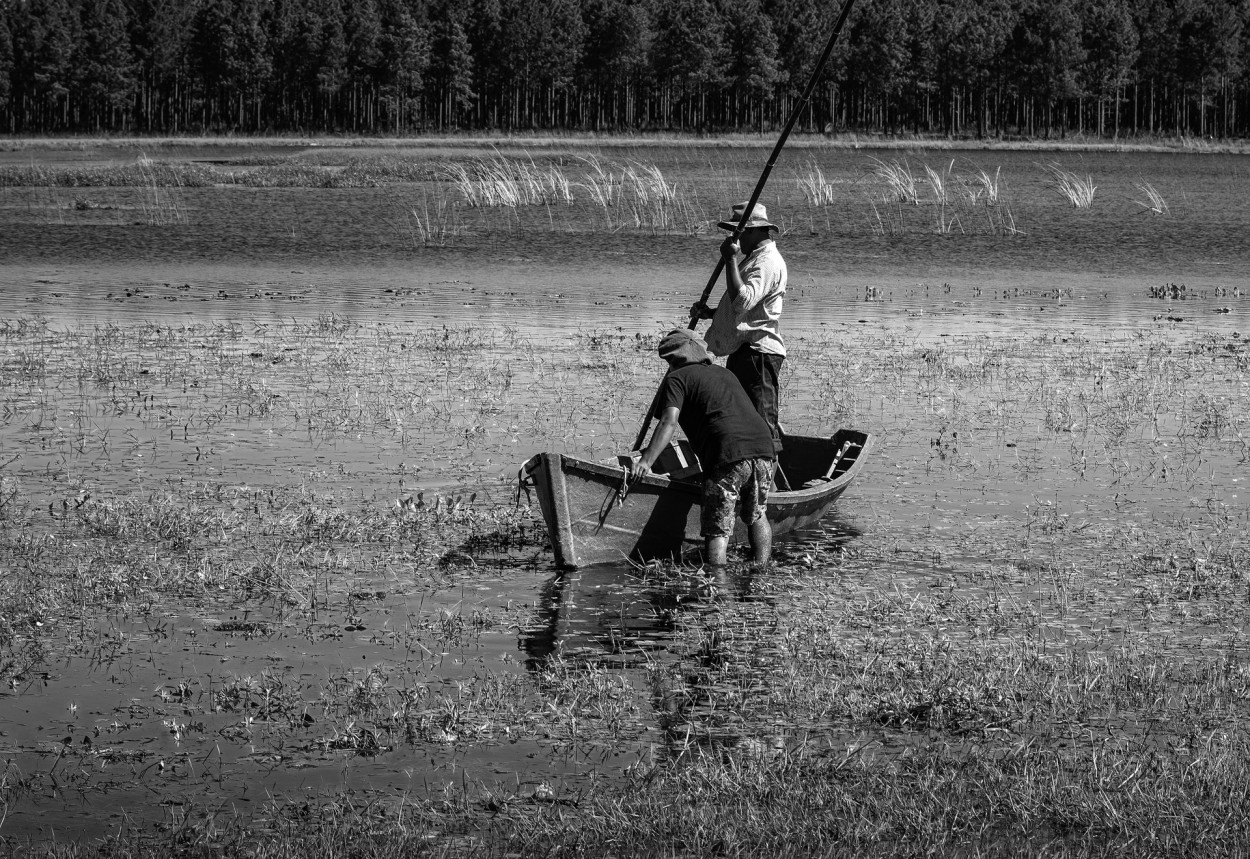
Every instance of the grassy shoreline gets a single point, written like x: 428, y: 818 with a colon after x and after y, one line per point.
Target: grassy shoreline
x: 659, y: 139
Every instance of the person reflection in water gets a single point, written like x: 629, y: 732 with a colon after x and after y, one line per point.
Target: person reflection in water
x: 734, y: 444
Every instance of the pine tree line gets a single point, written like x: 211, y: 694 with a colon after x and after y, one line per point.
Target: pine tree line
x: 952, y: 67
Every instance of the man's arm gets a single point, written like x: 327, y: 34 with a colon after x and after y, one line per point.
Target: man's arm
x: 659, y: 440
x: 729, y: 249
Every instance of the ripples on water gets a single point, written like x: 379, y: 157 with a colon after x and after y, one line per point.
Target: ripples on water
x: 338, y: 250
x: 254, y: 272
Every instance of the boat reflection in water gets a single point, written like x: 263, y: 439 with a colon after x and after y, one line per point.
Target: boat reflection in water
x: 694, y: 643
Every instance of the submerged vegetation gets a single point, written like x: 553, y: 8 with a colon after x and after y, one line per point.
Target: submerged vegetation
x: 1021, y: 634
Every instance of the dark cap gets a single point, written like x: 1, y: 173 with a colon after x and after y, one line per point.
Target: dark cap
x: 682, y: 346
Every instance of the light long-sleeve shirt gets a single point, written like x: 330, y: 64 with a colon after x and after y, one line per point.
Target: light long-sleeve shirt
x: 754, y: 317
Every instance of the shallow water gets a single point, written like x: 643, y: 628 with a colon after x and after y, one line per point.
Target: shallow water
x: 160, y: 715
x: 254, y: 252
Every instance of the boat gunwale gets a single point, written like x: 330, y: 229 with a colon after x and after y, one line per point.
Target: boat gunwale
x: 776, y: 496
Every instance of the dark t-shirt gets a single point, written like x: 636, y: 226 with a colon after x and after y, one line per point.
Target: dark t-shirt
x: 716, y: 415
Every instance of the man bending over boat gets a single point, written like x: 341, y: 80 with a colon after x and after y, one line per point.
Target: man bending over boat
x: 746, y: 324
x: 733, y: 442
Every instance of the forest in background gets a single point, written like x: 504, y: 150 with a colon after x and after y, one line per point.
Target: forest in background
x: 960, y: 68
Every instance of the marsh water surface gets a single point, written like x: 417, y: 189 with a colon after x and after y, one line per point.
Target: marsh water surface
x: 294, y: 339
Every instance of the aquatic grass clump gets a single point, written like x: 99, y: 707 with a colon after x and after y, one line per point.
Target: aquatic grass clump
x: 817, y: 190
x: 178, y: 523
x: 464, y: 338
x: 509, y: 183
x: 982, y: 184
x: 956, y: 197
x: 940, y: 182
x: 886, y: 220
x: 271, y: 695
x: 10, y: 489
x: 1154, y: 201
x: 298, y: 171
x: 302, y: 172
x: 998, y: 800
x: 142, y: 173
x: 898, y: 179
x: 631, y: 194
x: 162, y: 201
x: 1077, y: 190
x: 434, y: 223
x: 291, y: 175
x: 655, y: 203
x: 435, y: 526
x: 385, y: 170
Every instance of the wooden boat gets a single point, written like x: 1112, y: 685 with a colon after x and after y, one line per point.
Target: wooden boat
x: 595, y: 515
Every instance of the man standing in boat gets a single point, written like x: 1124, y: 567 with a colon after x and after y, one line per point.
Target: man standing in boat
x: 734, y: 444
x: 746, y: 324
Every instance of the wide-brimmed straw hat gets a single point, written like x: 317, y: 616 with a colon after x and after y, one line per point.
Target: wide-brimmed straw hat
x: 759, y: 217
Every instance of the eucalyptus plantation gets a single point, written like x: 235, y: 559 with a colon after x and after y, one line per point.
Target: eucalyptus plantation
x: 959, y: 68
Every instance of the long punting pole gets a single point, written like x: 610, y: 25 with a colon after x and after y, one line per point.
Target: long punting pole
x: 802, y: 103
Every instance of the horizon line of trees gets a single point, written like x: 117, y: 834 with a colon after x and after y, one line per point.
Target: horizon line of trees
x: 953, y: 67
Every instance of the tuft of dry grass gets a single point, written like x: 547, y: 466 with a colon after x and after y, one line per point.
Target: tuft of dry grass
x: 982, y: 185
x: 1154, y: 201
x: 817, y: 190
x: 1077, y: 190
x: 510, y: 183
x: 899, y: 180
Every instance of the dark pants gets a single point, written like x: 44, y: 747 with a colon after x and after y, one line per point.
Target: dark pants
x: 758, y: 373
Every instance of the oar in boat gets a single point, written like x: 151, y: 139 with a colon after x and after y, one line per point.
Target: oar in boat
x: 759, y: 188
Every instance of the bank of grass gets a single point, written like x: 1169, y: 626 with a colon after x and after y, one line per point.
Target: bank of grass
x: 1063, y: 674
x: 260, y: 172
x: 578, y: 142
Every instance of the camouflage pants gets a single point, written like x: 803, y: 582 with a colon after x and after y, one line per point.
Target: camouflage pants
x: 747, y: 480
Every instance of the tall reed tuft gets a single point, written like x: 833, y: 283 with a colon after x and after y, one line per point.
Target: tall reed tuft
x: 887, y: 218
x: 1076, y: 190
x: 982, y: 185
x: 637, y: 195
x: 939, y: 182
x: 898, y: 178
x: 433, y: 223
x: 817, y: 189
x: 503, y: 182
x: 1154, y: 201
x: 161, y: 201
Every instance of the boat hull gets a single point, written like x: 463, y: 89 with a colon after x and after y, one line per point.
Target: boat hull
x: 594, y: 514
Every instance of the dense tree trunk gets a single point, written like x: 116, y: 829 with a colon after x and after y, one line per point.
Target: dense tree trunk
x: 954, y: 67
